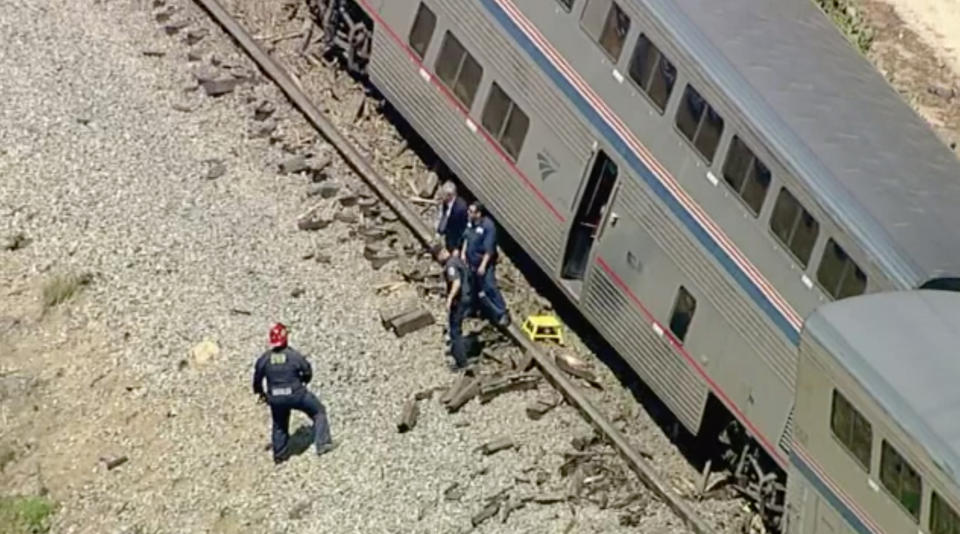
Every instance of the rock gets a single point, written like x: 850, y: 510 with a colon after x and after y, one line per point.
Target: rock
x: 154, y: 53
x: 195, y: 35
x: 163, y: 16
x: 323, y: 257
x: 263, y: 129
x: 7, y: 455
x: 174, y: 28
x: 328, y: 189
x: 428, y: 185
x: 347, y: 216
x: 494, y: 446
x: 195, y: 55
x: 299, y: 511
x: 388, y: 216
x: 205, y: 73
x: 347, y: 198
x: 946, y: 93
x: 159, y: 3
x: 15, y: 241
x: 7, y: 324
x: 366, y: 205
x: 293, y: 165
x: 215, y: 168
x: 220, y: 86
x: 204, y: 352
x: 297, y: 292
x: 182, y: 107
x: 264, y: 110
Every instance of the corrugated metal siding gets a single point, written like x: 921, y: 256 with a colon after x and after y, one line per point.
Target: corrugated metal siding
x: 650, y: 355
x: 787, y: 434
x: 742, y: 315
x: 467, y: 154
x: 539, y: 97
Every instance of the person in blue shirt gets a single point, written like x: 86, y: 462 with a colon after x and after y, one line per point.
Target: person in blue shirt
x: 452, y: 218
x: 459, y: 299
x: 480, y: 253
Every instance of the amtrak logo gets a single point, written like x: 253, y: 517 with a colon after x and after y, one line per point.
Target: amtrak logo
x: 547, y: 164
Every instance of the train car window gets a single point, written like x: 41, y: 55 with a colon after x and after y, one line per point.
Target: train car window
x: 505, y: 121
x: 683, y: 309
x: 422, y: 30
x: 458, y: 70
x: 943, y: 518
x: 794, y: 226
x: 567, y: 5
x: 699, y: 123
x: 607, y: 24
x: 901, y: 480
x: 838, y: 274
x: 652, y: 71
x: 746, y: 175
x: 852, y: 429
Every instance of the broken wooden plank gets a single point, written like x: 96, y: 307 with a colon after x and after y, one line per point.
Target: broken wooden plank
x: 408, y: 417
x: 495, y: 446
x: 411, y: 322
x: 488, y: 511
x: 427, y: 393
x: 391, y: 311
x: 539, y: 407
x: 468, y: 391
x: 526, y: 362
x: 454, y: 389
x: 548, y: 498
x: 575, y: 367
x: 113, y: 463
x: 514, y: 382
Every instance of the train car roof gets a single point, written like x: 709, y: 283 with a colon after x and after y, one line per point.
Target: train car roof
x: 869, y: 159
x: 902, y: 347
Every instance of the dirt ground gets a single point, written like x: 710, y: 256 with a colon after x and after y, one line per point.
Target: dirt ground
x: 58, y: 367
x: 917, y: 48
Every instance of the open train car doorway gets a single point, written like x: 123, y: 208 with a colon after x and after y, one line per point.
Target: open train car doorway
x: 588, y: 222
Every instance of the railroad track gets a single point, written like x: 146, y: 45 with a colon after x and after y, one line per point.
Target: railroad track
x: 646, y: 472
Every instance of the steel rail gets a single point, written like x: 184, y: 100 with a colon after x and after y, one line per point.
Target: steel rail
x: 272, y: 68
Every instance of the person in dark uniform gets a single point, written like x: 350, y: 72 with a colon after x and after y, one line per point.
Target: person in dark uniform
x: 287, y: 373
x: 459, y: 299
x: 453, y: 217
x: 480, y: 253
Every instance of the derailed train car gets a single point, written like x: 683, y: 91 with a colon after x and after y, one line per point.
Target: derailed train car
x: 697, y: 177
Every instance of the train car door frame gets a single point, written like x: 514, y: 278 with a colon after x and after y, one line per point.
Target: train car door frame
x: 592, y: 212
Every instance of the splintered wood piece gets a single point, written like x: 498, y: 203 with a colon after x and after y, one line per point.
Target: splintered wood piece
x: 469, y: 390
x: 411, y: 322
x: 496, y: 445
x: 513, y: 382
x: 538, y: 408
x: 408, y: 417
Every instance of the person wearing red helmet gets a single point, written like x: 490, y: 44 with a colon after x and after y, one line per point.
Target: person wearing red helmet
x: 287, y: 372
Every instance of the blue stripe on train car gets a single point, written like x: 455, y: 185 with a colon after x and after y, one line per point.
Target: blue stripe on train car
x: 821, y: 487
x: 621, y: 148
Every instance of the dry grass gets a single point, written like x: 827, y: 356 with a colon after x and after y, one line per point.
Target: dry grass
x: 62, y: 288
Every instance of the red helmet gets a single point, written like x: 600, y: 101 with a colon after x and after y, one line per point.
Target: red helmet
x: 278, y: 335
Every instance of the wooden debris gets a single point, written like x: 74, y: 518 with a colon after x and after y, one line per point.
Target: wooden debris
x: 411, y: 322
x: 526, y: 362
x: 468, y: 391
x: 548, y: 498
x: 495, y: 446
x: 454, y: 492
x: 488, y: 511
x: 539, y: 407
x: 490, y: 355
x: 576, y: 367
x: 408, y: 417
x: 114, y: 463
x: 514, y: 382
x: 452, y: 390
x: 390, y: 312
x: 704, y: 477
x: 511, y: 506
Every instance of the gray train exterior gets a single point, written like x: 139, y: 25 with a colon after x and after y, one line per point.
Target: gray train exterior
x: 684, y: 275
x: 876, y: 433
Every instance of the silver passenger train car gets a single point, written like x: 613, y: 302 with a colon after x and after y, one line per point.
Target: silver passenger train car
x: 876, y: 435
x: 696, y: 176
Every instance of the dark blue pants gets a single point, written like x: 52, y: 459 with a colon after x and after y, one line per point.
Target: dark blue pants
x: 303, y: 401
x: 459, y: 310
x: 489, y: 294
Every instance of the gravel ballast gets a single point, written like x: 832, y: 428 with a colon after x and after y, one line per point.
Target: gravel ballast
x: 117, y: 162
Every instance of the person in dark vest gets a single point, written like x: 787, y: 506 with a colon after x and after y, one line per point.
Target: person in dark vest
x: 452, y: 218
x: 287, y: 373
x: 459, y: 299
x: 480, y: 253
